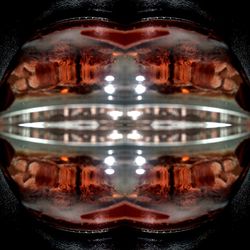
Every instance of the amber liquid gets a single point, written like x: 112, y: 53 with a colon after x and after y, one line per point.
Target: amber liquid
x: 130, y: 126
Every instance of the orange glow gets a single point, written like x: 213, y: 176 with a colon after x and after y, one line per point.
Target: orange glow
x: 185, y: 158
x: 64, y: 91
x: 64, y: 158
x: 116, y: 195
x: 133, y: 195
x: 133, y: 54
x: 185, y: 91
x: 116, y: 53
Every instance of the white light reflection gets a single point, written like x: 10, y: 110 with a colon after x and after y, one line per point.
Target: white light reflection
x: 140, y: 160
x: 110, y: 98
x: 139, y: 97
x: 140, y: 78
x: 134, y: 135
x: 109, y: 160
x: 115, y: 114
x: 140, y: 171
x: 76, y: 125
x: 140, y: 89
x: 115, y: 135
x: 134, y: 114
x: 109, y: 78
x: 110, y: 152
x: 109, y: 171
x: 173, y: 125
x: 139, y: 152
x: 33, y: 125
x: 109, y: 89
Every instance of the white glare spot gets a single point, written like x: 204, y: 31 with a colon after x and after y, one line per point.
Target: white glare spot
x: 140, y: 171
x: 110, y: 98
x: 139, y: 152
x: 140, y: 160
x: 134, y: 135
x: 115, y: 114
x: 109, y: 160
x: 109, y: 171
x: 140, y: 89
x: 134, y: 114
x: 115, y: 135
x: 110, y: 89
x: 139, y: 98
x: 109, y: 78
x: 140, y: 78
x: 110, y: 152
x: 33, y: 124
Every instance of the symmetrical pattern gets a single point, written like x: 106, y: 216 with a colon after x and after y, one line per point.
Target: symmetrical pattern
x: 140, y: 125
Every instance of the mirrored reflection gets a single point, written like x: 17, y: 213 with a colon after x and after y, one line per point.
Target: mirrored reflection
x: 151, y: 188
x: 147, y: 124
x: 107, y: 126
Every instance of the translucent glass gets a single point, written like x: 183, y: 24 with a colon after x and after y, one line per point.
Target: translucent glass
x: 106, y: 125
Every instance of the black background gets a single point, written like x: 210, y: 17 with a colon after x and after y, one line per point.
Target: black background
x: 18, y: 19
